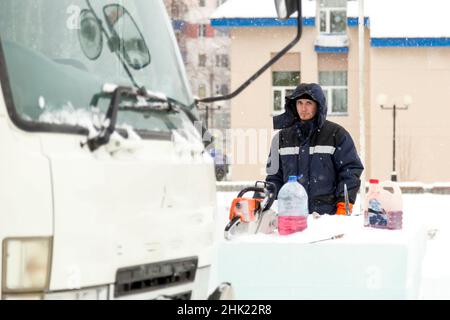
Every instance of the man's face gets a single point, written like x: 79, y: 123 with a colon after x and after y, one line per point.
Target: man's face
x: 306, y: 109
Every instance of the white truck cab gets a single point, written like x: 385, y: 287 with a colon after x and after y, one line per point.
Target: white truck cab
x: 105, y: 189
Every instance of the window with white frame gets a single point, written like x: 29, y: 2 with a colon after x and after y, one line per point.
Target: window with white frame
x: 222, y: 60
x: 333, y: 16
x: 222, y: 89
x: 202, y: 90
x: 334, y: 85
x: 202, y: 60
x: 283, y: 84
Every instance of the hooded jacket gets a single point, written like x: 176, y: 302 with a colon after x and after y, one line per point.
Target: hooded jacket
x: 322, y: 153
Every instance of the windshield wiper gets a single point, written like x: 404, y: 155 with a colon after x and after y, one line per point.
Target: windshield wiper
x: 147, y: 100
x: 150, y: 101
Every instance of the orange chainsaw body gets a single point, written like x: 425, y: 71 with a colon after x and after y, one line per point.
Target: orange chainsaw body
x: 245, y: 208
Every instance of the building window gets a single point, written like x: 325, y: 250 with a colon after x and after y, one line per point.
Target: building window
x: 201, y: 3
x: 283, y: 84
x: 202, y: 30
x: 222, y: 60
x: 334, y: 85
x: 202, y: 60
x: 174, y: 10
x: 220, y: 2
x: 224, y: 89
x: 202, y: 91
x: 333, y: 16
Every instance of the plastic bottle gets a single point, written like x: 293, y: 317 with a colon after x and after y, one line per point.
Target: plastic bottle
x: 372, y: 205
x: 292, y: 207
x: 383, y: 208
x: 391, y: 199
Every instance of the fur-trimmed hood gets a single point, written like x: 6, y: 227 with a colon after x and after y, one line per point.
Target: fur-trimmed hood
x: 290, y: 116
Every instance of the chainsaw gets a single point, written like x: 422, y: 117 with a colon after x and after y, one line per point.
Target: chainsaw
x: 252, y: 215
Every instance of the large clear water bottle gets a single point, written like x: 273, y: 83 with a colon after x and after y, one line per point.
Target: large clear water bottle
x: 292, y: 207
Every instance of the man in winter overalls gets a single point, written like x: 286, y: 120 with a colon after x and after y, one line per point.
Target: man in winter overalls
x: 320, y: 152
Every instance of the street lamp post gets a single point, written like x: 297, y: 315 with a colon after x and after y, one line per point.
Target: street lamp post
x: 394, y: 109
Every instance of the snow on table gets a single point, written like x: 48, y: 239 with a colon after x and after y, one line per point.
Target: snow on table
x: 366, y: 263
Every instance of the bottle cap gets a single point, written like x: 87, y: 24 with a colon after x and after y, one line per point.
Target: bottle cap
x: 374, y: 181
x: 292, y: 179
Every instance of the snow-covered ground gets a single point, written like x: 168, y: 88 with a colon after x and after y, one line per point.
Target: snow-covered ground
x: 431, y: 209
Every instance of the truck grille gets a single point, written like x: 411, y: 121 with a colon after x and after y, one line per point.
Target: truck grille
x: 154, y: 276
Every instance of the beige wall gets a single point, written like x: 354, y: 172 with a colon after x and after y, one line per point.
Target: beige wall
x: 423, y: 136
x: 423, y: 140
x: 252, y: 110
x: 290, y: 61
x: 352, y: 122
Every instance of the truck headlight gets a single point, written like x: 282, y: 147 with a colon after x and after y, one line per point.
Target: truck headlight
x: 26, y: 264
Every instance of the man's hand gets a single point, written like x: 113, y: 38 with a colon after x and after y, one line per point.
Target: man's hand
x: 340, y: 208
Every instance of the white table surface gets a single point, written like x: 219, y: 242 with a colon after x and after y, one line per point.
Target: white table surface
x: 365, y: 263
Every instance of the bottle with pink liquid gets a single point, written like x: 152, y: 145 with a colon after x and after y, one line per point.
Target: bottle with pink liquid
x: 383, y: 206
x: 292, y: 207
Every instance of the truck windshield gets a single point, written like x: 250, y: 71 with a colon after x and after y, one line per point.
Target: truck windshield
x: 59, y: 53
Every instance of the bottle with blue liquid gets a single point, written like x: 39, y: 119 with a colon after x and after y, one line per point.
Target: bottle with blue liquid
x: 292, y: 207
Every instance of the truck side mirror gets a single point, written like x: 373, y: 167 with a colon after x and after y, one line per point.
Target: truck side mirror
x: 285, y: 8
x: 126, y: 36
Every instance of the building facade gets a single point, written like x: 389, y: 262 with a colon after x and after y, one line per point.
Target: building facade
x: 405, y: 65
x: 205, y: 52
